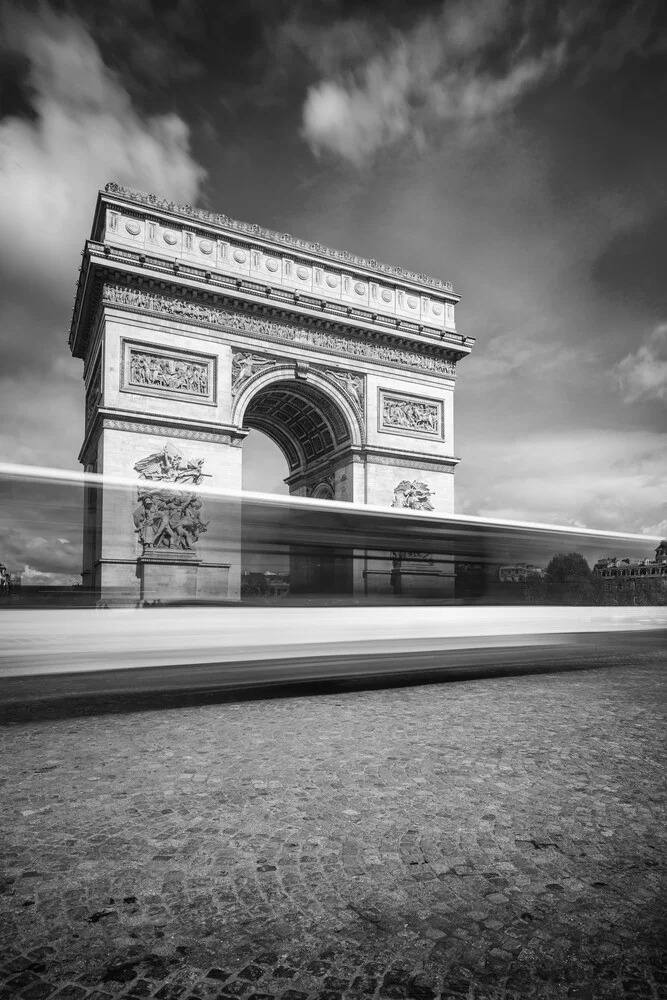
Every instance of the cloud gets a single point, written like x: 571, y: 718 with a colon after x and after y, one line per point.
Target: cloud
x: 468, y: 66
x: 85, y: 131
x: 516, y: 354
x: 559, y: 478
x: 23, y: 547
x: 433, y: 73
x: 356, y: 120
x: 31, y: 577
x: 642, y: 375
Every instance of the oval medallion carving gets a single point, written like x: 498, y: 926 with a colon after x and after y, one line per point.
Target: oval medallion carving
x: 206, y: 246
x: 360, y: 288
x: 332, y: 280
x: 133, y: 228
x: 239, y: 256
x: 271, y: 264
x: 302, y: 273
x: 170, y: 237
x: 412, y: 303
x: 386, y: 295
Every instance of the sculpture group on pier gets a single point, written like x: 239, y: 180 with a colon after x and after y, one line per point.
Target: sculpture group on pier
x: 167, y: 518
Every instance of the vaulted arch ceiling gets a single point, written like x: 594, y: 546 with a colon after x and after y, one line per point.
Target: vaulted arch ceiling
x: 304, y: 422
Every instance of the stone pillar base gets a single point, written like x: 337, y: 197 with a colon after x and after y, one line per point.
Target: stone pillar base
x: 168, y: 575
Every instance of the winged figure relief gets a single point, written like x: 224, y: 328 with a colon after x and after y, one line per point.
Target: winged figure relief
x: 169, y: 465
x: 414, y: 495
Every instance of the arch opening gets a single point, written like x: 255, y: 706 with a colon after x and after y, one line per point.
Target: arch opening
x: 315, y: 432
x: 305, y: 423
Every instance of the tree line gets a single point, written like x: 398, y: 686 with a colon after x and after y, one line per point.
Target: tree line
x: 568, y: 580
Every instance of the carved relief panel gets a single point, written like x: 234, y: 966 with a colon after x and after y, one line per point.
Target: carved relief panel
x: 167, y: 517
x: 153, y: 371
x: 413, y: 415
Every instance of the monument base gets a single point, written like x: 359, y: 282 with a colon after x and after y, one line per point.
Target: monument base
x: 413, y: 579
x: 168, y: 575
x: 416, y: 578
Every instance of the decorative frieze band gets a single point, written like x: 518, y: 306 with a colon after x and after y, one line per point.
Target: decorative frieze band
x: 272, y: 329
x: 139, y: 427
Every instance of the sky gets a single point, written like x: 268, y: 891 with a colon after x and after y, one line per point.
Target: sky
x: 516, y: 148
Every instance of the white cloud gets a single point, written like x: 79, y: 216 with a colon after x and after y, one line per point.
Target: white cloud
x: 31, y: 577
x: 87, y: 132
x: 354, y: 121
x: 467, y: 66
x: 561, y: 478
x: 515, y: 352
x: 432, y: 73
x: 643, y: 374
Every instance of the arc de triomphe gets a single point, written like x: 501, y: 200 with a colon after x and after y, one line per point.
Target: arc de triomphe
x: 194, y: 327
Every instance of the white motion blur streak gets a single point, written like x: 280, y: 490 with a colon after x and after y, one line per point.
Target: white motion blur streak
x: 54, y: 642
x: 32, y: 472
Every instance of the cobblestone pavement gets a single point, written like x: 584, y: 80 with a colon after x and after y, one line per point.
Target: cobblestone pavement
x: 492, y: 838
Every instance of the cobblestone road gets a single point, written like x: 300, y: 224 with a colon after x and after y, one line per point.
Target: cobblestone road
x: 491, y: 838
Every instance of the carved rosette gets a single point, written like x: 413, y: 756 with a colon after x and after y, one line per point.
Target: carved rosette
x: 165, y: 517
x: 413, y: 495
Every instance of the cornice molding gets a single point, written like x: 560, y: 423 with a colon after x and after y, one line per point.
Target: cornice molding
x: 108, y: 418
x: 172, y: 277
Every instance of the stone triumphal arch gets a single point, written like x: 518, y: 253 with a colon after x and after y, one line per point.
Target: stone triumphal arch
x: 194, y: 328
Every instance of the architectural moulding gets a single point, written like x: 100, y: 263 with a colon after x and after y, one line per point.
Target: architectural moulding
x: 166, y: 269
x: 111, y: 420
x: 273, y: 329
x: 406, y: 459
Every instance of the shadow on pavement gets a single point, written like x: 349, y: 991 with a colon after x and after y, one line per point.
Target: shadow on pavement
x: 29, y: 699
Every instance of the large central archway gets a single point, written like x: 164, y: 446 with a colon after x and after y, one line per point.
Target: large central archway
x: 314, y: 422
x: 315, y: 427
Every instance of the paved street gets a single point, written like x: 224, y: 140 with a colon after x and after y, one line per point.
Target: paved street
x: 497, y: 837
